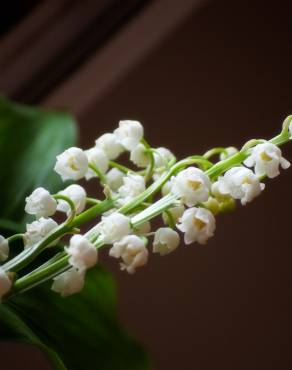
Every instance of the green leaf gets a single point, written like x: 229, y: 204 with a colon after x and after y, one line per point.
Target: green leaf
x: 83, y: 329
x: 30, y: 139
x: 79, y: 332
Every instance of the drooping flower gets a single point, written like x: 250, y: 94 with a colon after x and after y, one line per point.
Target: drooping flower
x: 143, y: 228
x: 230, y: 151
x: 4, y: 249
x: 72, y: 164
x: 98, y: 158
x: 133, y: 252
x: 192, y: 185
x: 266, y: 159
x: 114, y: 227
x: 133, y: 186
x: 198, y: 224
x: 78, y: 196
x: 5, y: 283
x: 39, y: 229
x: 40, y: 203
x: 129, y: 133
x: 110, y: 145
x: 114, y: 178
x: 165, y: 241
x: 139, y: 156
x: 162, y: 156
x: 240, y: 183
x: 69, y: 282
x: 83, y: 254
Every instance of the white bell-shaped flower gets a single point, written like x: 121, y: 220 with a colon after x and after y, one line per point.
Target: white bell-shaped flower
x: 133, y: 252
x: 165, y: 241
x: 69, y: 282
x: 72, y: 164
x: 139, y: 156
x: 192, y: 185
x: 240, y: 183
x: 83, y: 254
x: 78, y: 196
x: 162, y: 156
x: 98, y: 158
x: 266, y: 159
x: 40, y: 203
x: 129, y: 133
x: 4, y: 249
x: 114, y: 178
x: 39, y: 229
x: 133, y: 185
x: 110, y: 145
x: 198, y: 224
x: 114, y: 227
x: 5, y: 283
x: 230, y: 151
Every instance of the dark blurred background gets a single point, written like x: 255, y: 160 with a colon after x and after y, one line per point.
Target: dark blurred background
x: 197, y: 74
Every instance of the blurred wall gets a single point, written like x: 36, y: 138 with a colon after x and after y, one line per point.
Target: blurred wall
x: 224, y: 77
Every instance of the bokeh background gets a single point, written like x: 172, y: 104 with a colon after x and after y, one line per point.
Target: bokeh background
x: 197, y: 74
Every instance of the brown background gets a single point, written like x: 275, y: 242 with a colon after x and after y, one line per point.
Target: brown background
x: 222, y: 77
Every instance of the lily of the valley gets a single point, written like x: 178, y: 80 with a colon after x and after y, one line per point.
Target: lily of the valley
x: 40, y: 203
x: 37, y: 230
x: 5, y: 283
x: 133, y: 186
x: 114, y: 178
x: 69, y: 282
x: 72, y: 164
x: 78, y: 196
x: 114, y: 227
x: 133, y: 252
x: 192, y: 185
x: 129, y: 133
x: 240, y: 183
x: 266, y: 159
x: 197, y: 224
x: 4, y: 249
x: 139, y: 156
x: 165, y: 241
x: 83, y: 254
x: 110, y: 145
x: 98, y: 158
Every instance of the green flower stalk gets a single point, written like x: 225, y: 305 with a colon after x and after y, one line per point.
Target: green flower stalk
x: 185, y: 194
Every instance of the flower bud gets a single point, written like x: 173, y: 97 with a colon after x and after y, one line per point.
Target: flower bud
x: 165, y: 241
x: 129, y: 133
x: 40, y: 203
x: 229, y: 152
x: 162, y: 156
x: 114, y: 179
x: 72, y: 164
x: 4, y: 249
x: 139, y: 156
x: 5, y: 283
x: 110, y: 145
x: 78, y: 196
x: 98, y: 158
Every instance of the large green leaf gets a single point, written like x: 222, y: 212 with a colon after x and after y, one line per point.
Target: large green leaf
x: 83, y: 329
x: 30, y: 139
x: 79, y: 332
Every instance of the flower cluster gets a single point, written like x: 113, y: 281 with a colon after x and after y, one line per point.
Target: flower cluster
x: 193, y: 191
